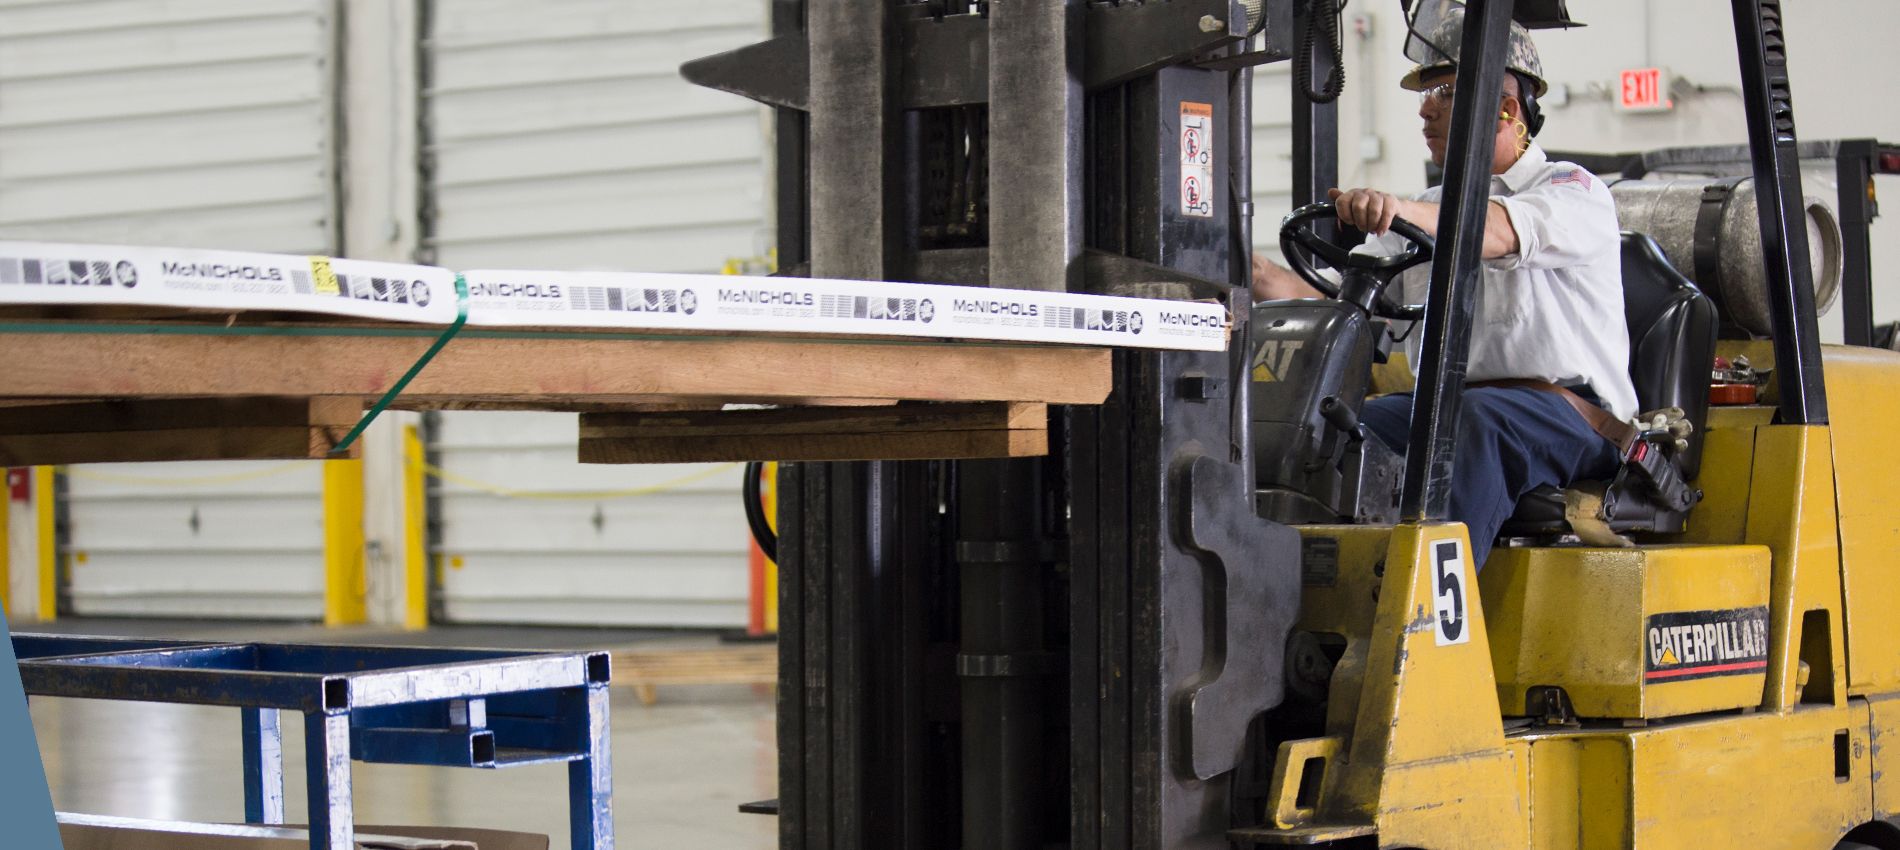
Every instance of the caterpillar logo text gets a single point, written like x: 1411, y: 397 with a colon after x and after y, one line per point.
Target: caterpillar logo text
x: 1699, y: 644
x: 1275, y: 358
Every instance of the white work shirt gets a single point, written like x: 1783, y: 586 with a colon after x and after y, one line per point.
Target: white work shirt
x: 1552, y: 311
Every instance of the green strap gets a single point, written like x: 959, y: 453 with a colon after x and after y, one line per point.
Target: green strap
x: 461, y: 318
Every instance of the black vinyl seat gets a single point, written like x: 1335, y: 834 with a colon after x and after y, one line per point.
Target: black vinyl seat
x: 1672, y: 329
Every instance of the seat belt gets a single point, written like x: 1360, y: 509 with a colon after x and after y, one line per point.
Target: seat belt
x: 1640, y: 457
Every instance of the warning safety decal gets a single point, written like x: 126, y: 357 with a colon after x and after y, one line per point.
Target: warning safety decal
x: 1683, y: 645
x: 1197, y: 159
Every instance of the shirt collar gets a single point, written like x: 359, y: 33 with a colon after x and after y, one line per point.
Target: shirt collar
x: 1525, y: 169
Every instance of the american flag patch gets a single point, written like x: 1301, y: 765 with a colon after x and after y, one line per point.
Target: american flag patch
x: 1572, y: 175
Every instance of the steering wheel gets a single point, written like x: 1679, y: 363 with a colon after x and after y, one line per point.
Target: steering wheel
x: 1300, y: 245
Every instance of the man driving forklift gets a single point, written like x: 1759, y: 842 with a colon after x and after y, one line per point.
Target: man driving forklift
x: 1549, y: 387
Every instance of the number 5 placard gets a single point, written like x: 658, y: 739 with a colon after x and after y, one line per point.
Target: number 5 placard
x: 1449, y: 591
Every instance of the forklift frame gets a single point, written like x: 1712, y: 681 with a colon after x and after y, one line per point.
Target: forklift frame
x: 1010, y: 654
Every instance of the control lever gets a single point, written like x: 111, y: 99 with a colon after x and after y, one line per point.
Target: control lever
x: 1340, y: 416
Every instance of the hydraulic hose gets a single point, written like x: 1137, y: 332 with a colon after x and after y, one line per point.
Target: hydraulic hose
x: 754, y: 495
x: 1321, y: 19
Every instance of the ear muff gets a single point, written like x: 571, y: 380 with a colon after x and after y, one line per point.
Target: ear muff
x: 1527, y: 98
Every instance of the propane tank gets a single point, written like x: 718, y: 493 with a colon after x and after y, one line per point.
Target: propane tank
x: 1710, y: 231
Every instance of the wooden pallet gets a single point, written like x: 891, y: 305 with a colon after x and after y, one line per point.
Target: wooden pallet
x: 646, y: 670
x: 195, y: 391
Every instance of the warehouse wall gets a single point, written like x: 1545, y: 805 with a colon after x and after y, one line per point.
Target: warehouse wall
x: 1840, y: 53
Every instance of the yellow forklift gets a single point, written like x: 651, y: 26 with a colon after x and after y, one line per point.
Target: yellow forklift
x: 1218, y: 616
x: 1730, y: 680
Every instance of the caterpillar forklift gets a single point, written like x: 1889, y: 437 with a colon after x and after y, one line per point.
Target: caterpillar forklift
x: 1219, y: 615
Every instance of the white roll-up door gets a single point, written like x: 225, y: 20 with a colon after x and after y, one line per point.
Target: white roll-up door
x: 198, y: 123
x: 559, y: 135
x: 239, y: 539
x: 530, y: 536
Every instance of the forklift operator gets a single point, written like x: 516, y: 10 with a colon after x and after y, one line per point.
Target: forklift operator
x: 1549, y: 348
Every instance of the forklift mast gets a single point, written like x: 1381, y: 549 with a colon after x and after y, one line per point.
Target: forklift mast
x: 1067, y: 651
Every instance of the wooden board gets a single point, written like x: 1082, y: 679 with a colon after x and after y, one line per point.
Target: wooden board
x: 545, y: 369
x: 645, y: 671
x: 96, y: 391
x: 902, y: 432
x: 177, y: 429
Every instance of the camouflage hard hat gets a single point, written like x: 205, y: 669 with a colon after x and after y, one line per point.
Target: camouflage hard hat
x: 1438, y: 33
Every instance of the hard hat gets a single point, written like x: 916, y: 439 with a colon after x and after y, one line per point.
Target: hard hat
x: 1437, y: 34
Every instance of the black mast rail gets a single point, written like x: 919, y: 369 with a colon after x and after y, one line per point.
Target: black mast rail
x: 1447, y: 332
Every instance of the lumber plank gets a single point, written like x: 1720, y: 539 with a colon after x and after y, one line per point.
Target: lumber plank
x: 645, y: 671
x: 548, y: 370
x: 177, y: 429
x: 903, y: 432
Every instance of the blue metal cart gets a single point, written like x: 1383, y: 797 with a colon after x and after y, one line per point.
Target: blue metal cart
x: 397, y: 705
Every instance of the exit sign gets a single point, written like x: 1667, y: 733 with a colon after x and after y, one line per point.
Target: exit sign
x: 1642, y: 91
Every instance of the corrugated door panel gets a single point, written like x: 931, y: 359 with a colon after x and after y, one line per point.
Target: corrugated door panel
x: 530, y: 536
x: 202, y: 123
x: 561, y: 136
x: 239, y: 539
x: 197, y: 123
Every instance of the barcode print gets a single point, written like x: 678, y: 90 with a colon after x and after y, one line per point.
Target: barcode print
x: 617, y: 299
x: 587, y: 298
x: 1067, y: 318
x: 839, y: 306
x: 361, y: 287
x: 866, y: 307
x: 31, y: 270
x: 657, y: 301
x: 1106, y: 320
x: 1082, y: 318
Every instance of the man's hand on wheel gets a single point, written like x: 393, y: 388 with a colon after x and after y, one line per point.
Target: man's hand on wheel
x: 1370, y: 210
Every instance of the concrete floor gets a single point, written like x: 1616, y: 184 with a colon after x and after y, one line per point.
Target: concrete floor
x: 681, y: 767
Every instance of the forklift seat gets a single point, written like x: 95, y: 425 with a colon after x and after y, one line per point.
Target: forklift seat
x: 1672, y: 328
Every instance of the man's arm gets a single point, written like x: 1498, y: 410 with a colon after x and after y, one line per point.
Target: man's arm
x: 1273, y: 283
x: 1372, y: 211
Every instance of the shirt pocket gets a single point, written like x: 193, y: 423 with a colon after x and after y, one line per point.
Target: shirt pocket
x: 1500, y: 304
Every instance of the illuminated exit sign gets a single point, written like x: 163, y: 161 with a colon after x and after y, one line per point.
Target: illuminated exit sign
x: 1642, y: 91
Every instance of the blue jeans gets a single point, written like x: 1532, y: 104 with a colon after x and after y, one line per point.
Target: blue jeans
x: 1511, y: 440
